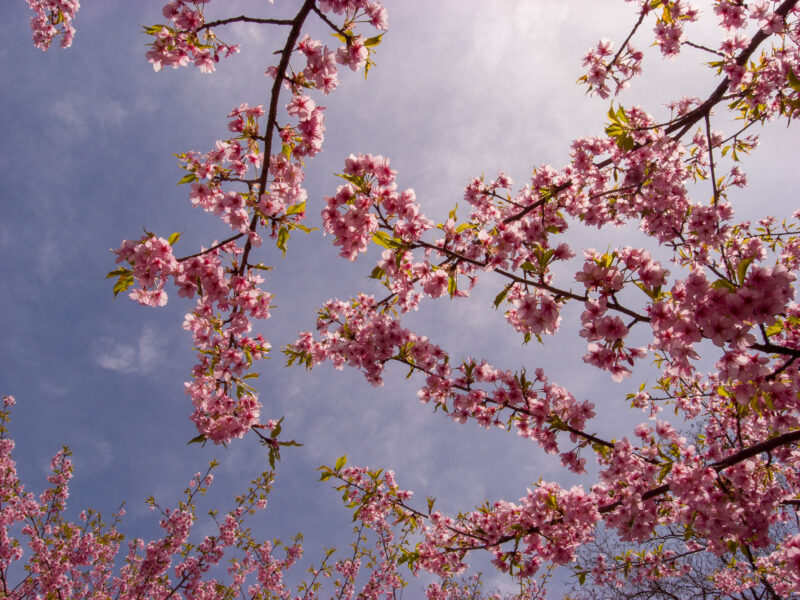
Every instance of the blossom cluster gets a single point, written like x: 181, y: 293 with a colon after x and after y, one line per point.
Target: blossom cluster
x: 358, y: 334
x: 251, y: 189
x: 224, y: 405
x: 620, y: 69
x: 85, y: 558
x: 53, y: 18
x: 725, y: 486
x: 187, y: 39
x: 733, y: 289
x: 349, y: 214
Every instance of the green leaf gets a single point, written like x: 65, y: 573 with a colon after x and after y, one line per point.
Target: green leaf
x: 251, y: 376
x: 384, y: 239
x: 153, y: 29
x: 200, y: 439
x: 340, y: 462
x: 724, y: 284
x: 794, y: 81
x: 617, y: 129
x: 356, y: 180
x: 276, y: 431
x: 295, y: 209
x: 373, y: 41
x: 188, y: 178
x: 452, y: 285
x: 174, y: 237
x: 286, y: 150
x: 652, y: 293
x: 501, y: 296
x: 665, y: 469
x: 377, y: 273
x: 123, y: 284
x: 775, y: 328
x: 581, y: 577
x: 546, y: 257
x: 741, y: 270
x: 528, y: 266
x: 120, y: 271
x: 283, y: 237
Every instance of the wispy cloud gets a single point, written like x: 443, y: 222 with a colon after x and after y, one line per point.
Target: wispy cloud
x: 139, y: 357
x: 73, y: 116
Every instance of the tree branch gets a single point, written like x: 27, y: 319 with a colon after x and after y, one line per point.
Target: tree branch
x: 689, y: 119
x: 280, y: 75
x: 244, y: 19
x: 212, y: 248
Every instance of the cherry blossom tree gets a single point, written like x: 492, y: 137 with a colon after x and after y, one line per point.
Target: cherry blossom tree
x: 709, y: 495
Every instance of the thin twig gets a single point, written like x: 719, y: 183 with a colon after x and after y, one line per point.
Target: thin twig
x: 212, y: 248
x: 711, y: 159
x: 244, y: 19
x: 328, y: 22
x: 701, y: 47
x: 280, y: 75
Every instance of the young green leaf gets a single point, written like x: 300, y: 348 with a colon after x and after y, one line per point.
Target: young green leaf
x: 188, y: 178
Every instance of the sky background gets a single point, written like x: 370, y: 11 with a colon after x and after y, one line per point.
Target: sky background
x: 461, y: 88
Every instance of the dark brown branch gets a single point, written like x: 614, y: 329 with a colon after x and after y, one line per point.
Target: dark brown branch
x: 516, y: 409
x: 244, y: 19
x: 701, y: 47
x: 766, y: 446
x: 612, y: 304
x: 751, y: 559
x: 624, y: 45
x: 711, y: 159
x: 742, y: 455
x: 327, y: 21
x: 272, y: 118
x: 589, y: 437
x: 686, y: 122
x: 552, y: 194
x: 212, y: 248
x: 775, y: 349
x: 781, y: 369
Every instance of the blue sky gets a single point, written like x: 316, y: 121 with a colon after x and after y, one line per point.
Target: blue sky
x: 461, y: 88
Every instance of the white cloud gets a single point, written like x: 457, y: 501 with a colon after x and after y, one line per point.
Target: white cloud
x: 73, y: 116
x: 141, y: 356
